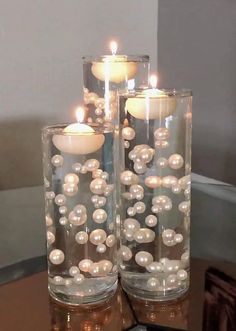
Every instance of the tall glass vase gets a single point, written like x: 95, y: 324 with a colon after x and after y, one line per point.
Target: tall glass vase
x: 154, y: 191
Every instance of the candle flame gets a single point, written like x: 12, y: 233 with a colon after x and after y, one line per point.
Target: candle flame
x: 80, y: 114
x: 113, y: 47
x: 153, y: 81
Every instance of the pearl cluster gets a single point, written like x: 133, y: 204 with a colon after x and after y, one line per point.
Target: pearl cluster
x: 132, y: 231
x: 139, y: 208
x: 129, y: 178
x: 98, y: 201
x: 161, y: 203
x: 96, y: 269
x: 141, y: 155
x: 70, y: 186
x: 78, y: 215
x: 161, y: 135
x: 170, y: 238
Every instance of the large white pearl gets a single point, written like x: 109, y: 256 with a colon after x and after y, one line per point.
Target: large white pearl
x: 151, y: 220
x: 99, y: 216
x: 131, y: 211
x: 77, y: 167
x: 128, y: 133
x: 78, y: 279
x: 62, y: 210
x: 71, y: 179
x: 56, y: 256
x: 92, y: 164
x: 70, y: 189
x: 101, y: 248
x: 125, y: 253
x: 162, y: 162
x: 57, y: 161
x: 128, y: 178
x: 135, y: 189
x: 169, y: 181
x: 153, y: 284
x: 140, y: 207
x: 143, y: 258
x: 182, y: 275
x: 184, y: 207
x: 168, y: 236
x: 98, y: 185
x: 153, y: 181
x: 146, y: 154
x: 85, y: 265
x: 172, y: 281
x: 73, y: 271
x: 110, y: 241
x: 50, y: 238
x: 63, y: 220
x: 144, y: 236
x: 81, y: 237
x: 131, y: 224
x: 60, y: 200
x: 162, y: 134
x: 97, y: 236
x: 176, y: 161
x: 155, y: 267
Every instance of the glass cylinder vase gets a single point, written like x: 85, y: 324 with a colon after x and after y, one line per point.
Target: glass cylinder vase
x: 154, y: 191
x: 79, y: 189
x: 105, y: 75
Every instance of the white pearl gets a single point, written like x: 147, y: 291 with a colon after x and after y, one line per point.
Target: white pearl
x: 50, y: 195
x: 169, y: 181
x: 178, y: 238
x: 153, y: 284
x: 95, y: 270
x: 132, y: 155
x: 63, y: 220
x: 108, y: 190
x: 185, y: 182
x: 98, y: 185
x: 176, y: 161
x: 56, y: 256
x: 71, y: 179
x: 134, y: 189
x: 99, y: 216
x: 57, y: 160
x: 176, y: 189
x: 100, y: 202
x: 171, y: 266
x: 83, y: 170
x: 140, y: 168
x: 146, y: 154
x: 151, y: 220
x: 105, y: 266
x: 81, y: 237
x: 97, y: 236
x: 144, y: 236
x: 70, y: 189
x: 77, y: 167
x: 128, y: 178
x: 131, y: 211
x: 162, y: 162
x: 139, y: 196
x: 80, y: 210
x: 126, y: 144
x: 182, y: 275
x: 99, y: 103
x: 58, y: 280
x: 140, y: 207
x: 168, y: 234
x: 50, y: 237
x: 78, y: 279
x: 101, y: 248
x: 143, y: 258
x: 131, y: 224
x: 92, y: 164
x: 110, y: 241
x: 105, y: 175
x: 162, y: 134
x: 155, y: 267
x: 98, y: 111
x: 73, y: 271
x: 97, y: 173
x: 95, y: 198
x: 128, y: 133
x: 172, y: 281
x: 184, y: 207
x: 85, y: 265
x: 161, y: 144
x: 92, y: 97
x: 125, y: 253
x: 129, y: 235
x: 153, y: 181
x: 63, y: 210
x: 60, y: 200
x: 77, y: 220
x: 156, y: 209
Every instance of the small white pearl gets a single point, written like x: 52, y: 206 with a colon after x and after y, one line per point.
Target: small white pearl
x: 168, y: 234
x: 50, y: 238
x: 57, y: 160
x: 85, y: 265
x: 77, y: 220
x: 71, y: 179
x: 63, y: 220
x: 153, y: 181
x: 184, y: 207
x: 97, y: 236
x: 131, y: 211
x: 80, y: 210
x: 50, y: 195
x: 134, y: 189
x: 129, y: 235
x: 146, y: 154
x: 162, y: 162
x: 108, y: 190
x: 97, y: 173
x: 178, y: 238
x: 176, y: 189
x: 155, y: 267
x: 62, y: 210
x: 125, y: 253
x: 153, y: 284
x: 126, y: 144
x: 56, y: 256
x: 83, y: 170
x: 182, y: 275
x: 70, y: 189
x: 128, y: 178
x: 139, y: 196
x: 74, y: 271
x: 98, y: 185
x: 76, y: 167
x: 143, y: 258
x: 140, y: 168
x: 101, y: 248
x: 144, y: 236
x: 60, y: 200
x: 110, y: 241
x: 131, y: 224
x: 172, y: 281
x: 162, y: 134
x: 176, y: 161
x: 98, y: 111
x: 95, y: 198
x: 128, y: 133
x: 105, y: 175
x: 78, y: 279
x: 58, y: 280
x: 151, y: 220
x: 169, y: 181
x: 140, y: 207
x: 161, y: 144
x: 92, y: 164
x: 81, y: 237
x: 99, y: 216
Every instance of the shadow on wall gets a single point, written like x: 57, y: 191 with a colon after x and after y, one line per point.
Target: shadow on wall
x: 20, y: 153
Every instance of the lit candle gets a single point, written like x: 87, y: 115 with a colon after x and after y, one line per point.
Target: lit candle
x: 78, y: 138
x: 151, y: 104
x: 114, y: 68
